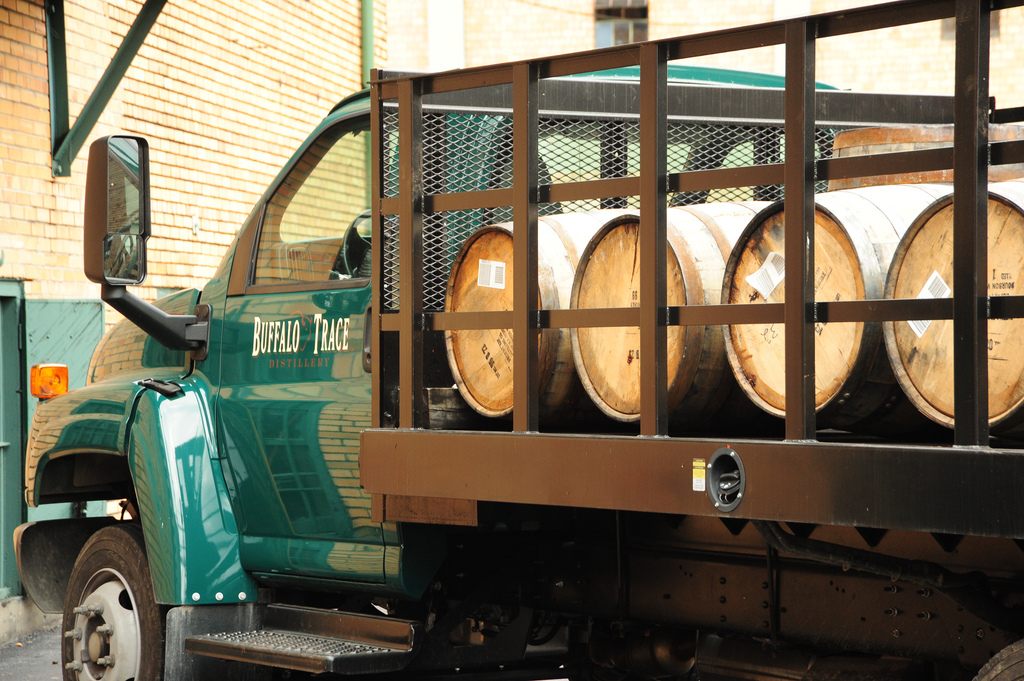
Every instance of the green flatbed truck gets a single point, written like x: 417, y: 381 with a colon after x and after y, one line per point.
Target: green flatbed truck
x: 304, y: 493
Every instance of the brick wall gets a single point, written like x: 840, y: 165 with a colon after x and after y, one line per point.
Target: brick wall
x: 406, y: 36
x: 494, y: 30
x: 224, y: 90
x: 685, y: 17
x: 498, y: 30
x: 914, y: 58
x: 917, y: 58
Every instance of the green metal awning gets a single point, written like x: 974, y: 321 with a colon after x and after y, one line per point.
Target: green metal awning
x: 66, y: 140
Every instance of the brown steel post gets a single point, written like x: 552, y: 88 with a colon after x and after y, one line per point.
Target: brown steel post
x: 799, y: 231
x: 525, y: 367
x: 376, y: 245
x: 653, y: 351
x: 653, y: 375
x: 970, y: 225
x: 410, y: 254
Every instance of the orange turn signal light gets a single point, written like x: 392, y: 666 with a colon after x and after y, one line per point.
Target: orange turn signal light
x: 48, y: 380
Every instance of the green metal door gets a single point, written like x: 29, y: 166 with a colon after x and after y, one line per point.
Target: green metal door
x: 11, y: 402
x: 64, y: 331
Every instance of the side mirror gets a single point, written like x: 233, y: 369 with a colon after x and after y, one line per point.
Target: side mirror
x: 117, y: 210
x: 116, y: 229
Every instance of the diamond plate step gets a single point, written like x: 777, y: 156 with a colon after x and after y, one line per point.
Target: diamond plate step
x: 316, y: 641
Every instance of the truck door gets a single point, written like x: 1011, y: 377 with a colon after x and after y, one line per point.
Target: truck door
x: 294, y: 394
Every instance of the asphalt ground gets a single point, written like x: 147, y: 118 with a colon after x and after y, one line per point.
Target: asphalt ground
x: 35, y: 657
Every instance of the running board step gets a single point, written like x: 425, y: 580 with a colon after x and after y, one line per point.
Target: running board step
x: 316, y: 641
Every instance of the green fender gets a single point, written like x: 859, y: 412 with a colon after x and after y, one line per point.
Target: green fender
x: 88, y: 422
x: 190, y: 530
x: 192, y: 540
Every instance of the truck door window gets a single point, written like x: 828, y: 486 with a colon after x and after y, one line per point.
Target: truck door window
x: 316, y: 228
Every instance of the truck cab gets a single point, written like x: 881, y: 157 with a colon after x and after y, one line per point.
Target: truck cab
x: 228, y: 419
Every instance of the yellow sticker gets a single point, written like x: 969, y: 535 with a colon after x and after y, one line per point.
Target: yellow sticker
x: 699, y: 475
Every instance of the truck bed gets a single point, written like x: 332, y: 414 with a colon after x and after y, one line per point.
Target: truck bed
x: 959, y: 482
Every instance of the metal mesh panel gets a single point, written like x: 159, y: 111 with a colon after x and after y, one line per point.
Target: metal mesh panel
x: 390, y: 151
x: 468, y: 151
x: 443, y: 236
x: 575, y: 150
x: 389, y: 241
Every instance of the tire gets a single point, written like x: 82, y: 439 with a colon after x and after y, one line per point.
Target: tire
x: 1006, y: 665
x: 112, y: 572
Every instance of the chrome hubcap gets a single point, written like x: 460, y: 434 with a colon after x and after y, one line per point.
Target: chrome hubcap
x: 105, y: 637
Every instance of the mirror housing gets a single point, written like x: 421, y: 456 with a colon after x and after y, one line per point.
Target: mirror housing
x: 117, y: 219
x: 117, y: 226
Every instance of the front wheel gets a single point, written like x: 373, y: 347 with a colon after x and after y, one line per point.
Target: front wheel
x: 113, y: 627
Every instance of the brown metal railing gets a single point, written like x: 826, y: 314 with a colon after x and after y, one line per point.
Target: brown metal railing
x: 970, y: 307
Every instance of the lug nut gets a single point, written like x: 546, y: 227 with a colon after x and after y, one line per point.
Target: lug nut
x: 88, y: 610
x: 73, y: 633
x: 105, y: 629
x: 75, y: 666
x: 106, y: 661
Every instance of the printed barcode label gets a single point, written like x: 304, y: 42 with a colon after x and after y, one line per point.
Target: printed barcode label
x: 491, y: 274
x: 935, y: 287
x: 771, y: 274
x: 699, y: 475
x: 919, y: 326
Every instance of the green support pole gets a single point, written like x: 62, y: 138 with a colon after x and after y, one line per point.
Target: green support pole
x: 366, y: 25
x: 57, y: 64
x: 69, y: 145
x: 12, y: 430
x: 366, y: 38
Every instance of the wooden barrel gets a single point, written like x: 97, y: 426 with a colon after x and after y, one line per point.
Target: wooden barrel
x: 481, y: 280
x: 921, y: 352
x: 866, y: 141
x: 856, y: 232
x: 608, y: 359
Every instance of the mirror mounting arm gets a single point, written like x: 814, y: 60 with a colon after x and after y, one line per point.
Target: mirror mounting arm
x: 176, y: 331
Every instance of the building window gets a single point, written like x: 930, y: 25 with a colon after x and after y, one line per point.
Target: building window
x: 618, y: 22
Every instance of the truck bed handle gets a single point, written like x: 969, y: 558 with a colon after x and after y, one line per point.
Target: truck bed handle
x: 367, y: 341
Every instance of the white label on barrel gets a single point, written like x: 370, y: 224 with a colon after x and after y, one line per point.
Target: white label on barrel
x: 699, y: 475
x: 491, y: 274
x: 935, y: 287
x: 771, y: 274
